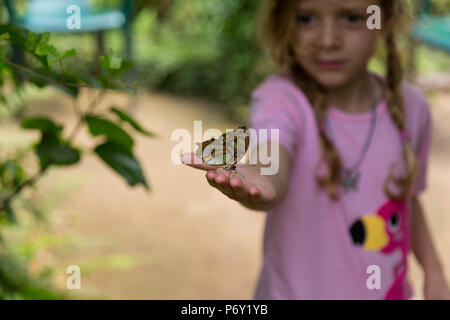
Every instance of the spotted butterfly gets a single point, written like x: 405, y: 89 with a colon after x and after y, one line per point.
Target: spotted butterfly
x: 226, y: 151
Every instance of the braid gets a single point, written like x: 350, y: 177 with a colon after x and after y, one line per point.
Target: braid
x: 330, y: 155
x: 396, y: 109
x: 394, y: 81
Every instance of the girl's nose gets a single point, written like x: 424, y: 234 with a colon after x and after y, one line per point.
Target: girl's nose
x: 330, y: 35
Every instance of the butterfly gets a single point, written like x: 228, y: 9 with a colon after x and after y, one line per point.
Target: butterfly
x: 226, y: 151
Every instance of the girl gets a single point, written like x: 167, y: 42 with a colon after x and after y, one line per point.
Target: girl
x: 343, y: 209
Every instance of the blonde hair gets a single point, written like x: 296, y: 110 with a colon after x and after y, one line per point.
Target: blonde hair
x: 276, y: 30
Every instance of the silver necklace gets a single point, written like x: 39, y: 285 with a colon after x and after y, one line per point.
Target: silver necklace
x: 351, y: 176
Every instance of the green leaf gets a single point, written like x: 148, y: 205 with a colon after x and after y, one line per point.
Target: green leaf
x: 115, y: 62
x: 53, y: 55
x: 123, y: 162
x: 100, y: 126
x: 69, y: 53
x: 48, y: 50
x: 21, y: 38
x: 44, y: 37
x: 42, y: 124
x: 52, y: 151
x: 111, y: 61
x: 127, y: 118
x: 32, y: 41
x: 17, y: 35
x: 38, y: 44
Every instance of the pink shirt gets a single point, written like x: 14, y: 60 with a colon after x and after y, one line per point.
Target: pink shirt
x: 310, y: 249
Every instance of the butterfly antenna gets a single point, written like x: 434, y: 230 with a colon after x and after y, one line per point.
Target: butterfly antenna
x: 239, y: 174
x: 229, y: 174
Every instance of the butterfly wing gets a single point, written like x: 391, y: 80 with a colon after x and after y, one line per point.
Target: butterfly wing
x: 237, y: 144
x: 228, y: 150
x: 211, y: 151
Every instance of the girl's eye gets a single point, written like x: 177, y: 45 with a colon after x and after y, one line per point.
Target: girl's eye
x: 354, y: 18
x: 305, y: 19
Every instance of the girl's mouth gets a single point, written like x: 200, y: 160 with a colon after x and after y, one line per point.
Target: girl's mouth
x: 330, y: 64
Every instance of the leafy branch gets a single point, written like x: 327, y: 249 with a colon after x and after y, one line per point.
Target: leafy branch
x: 116, y: 151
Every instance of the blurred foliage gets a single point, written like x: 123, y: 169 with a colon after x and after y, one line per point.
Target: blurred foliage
x: 440, y: 7
x: 196, y: 48
x: 53, y: 148
x: 16, y: 283
x: 26, y: 272
x: 19, y: 250
x: 206, y: 48
x: 38, y: 63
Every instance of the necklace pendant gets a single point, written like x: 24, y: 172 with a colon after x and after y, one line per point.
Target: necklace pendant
x: 350, y: 180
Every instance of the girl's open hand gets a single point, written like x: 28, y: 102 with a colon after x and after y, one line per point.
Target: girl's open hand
x: 256, y: 192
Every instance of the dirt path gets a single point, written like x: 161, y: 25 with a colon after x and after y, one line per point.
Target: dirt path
x: 184, y: 240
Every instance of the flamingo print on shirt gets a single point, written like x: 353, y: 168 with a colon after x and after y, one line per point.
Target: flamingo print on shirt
x: 386, y: 231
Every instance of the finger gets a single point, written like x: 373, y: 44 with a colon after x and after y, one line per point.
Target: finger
x: 224, y: 186
x: 255, y: 194
x: 221, y: 178
x: 192, y: 160
x: 238, y: 188
x: 218, y: 179
x: 211, y: 176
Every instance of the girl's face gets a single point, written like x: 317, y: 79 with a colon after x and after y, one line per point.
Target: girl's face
x: 334, y: 43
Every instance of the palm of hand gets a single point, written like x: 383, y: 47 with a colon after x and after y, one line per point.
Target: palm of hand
x: 253, y: 191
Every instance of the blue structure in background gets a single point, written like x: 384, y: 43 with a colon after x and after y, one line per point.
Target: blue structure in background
x: 431, y: 30
x: 52, y: 16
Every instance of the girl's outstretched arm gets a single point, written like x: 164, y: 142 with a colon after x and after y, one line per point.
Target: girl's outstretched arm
x: 435, y: 286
